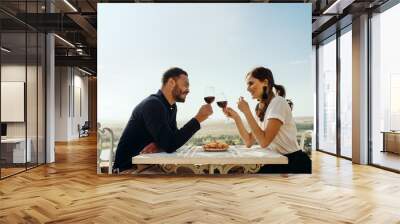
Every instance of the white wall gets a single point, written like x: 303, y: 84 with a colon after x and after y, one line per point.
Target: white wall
x: 33, y: 126
x: 14, y: 73
x: 61, y: 103
x: 70, y: 84
x: 17, y: 73
x: 80, y: 109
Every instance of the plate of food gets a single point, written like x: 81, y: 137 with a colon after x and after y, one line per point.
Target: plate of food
x: 215, y: 147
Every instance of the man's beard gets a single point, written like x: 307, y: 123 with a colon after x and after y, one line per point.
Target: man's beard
x: 178, y: 95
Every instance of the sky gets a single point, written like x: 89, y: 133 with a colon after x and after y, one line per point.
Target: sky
x: 217, y: 44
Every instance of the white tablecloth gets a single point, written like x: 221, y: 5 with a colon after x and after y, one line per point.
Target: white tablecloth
x: 196, y: 155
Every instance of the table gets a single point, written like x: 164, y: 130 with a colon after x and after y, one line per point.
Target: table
x: 201, y: 162
x: 391, y: 141
x: 13, y: 150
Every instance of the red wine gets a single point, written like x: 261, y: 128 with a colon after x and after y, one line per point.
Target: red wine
x: 222, y: 104
x: 209, y: 99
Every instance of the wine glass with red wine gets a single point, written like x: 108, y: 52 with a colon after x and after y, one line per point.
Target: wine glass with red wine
x: 222, y: 102
x: 209, y: 94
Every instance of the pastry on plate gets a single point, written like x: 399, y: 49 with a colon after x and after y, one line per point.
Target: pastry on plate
x: 215, y: 147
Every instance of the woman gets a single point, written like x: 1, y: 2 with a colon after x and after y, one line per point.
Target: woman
x: 274, y: 127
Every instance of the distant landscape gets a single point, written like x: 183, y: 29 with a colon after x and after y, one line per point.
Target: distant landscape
x: 219, y: 131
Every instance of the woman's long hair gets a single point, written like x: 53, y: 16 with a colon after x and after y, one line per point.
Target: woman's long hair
x: 263, y: 74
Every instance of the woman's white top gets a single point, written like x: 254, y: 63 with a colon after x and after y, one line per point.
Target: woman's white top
x: 286, y: 140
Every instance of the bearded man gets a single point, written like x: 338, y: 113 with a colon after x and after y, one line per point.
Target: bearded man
x: 152, y: 126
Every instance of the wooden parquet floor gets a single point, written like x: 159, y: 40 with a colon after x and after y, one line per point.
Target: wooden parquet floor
x: 70, y: 191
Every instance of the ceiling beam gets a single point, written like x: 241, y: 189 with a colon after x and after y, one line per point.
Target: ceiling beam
x: 82, y: 61
x: 337, y: 6
x: 84, y: 24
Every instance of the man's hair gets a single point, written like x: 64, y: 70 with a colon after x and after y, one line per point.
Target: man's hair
x: 172, y: 73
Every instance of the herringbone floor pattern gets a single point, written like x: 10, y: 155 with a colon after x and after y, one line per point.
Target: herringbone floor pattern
x: 69, y: 191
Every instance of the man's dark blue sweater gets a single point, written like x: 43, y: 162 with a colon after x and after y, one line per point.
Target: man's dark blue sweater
x: 153, y: 120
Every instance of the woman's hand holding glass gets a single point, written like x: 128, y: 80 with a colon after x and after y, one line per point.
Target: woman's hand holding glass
x: 243, y: 105
x: 231, y: 113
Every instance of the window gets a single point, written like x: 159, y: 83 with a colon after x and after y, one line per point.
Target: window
x: 327, y: 95
x: 346, y: 93
x: 385, y: 89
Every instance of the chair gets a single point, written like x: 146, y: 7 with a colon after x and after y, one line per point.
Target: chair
x: 306, y: 134
x: 84, y: 130
x: 105, y: 149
